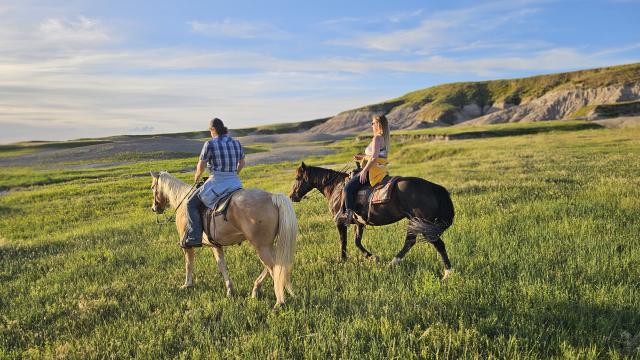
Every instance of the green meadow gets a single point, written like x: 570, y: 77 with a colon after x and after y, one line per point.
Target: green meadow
x: 544, y: 246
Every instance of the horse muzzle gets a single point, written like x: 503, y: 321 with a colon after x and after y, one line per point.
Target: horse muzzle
x: 156, y: 210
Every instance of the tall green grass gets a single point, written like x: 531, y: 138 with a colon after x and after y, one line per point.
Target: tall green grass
x: 544, y: 247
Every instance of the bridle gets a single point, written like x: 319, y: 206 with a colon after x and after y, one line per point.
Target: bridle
x: 306, y: 187
x: 303, y: 187
x: 167, y: 219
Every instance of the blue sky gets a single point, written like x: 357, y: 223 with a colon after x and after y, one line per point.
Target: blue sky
x: 73, y: 69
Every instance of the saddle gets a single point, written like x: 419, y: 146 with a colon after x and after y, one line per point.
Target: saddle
x: 380, y: 193
x: 209, y: 215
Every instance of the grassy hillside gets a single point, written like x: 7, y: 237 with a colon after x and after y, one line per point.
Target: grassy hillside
x: 544, y: 247
x: 443, y: 98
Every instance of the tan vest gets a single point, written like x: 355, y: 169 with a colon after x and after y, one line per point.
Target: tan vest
x: 378, y: 171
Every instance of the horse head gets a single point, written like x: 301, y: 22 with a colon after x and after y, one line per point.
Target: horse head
x: 160, y: 200
x: 302, y: 185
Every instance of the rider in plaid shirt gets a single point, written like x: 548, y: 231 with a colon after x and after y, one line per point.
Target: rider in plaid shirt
x: 224, y: 158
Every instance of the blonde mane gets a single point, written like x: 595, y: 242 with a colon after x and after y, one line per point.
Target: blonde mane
x: 174, y: 188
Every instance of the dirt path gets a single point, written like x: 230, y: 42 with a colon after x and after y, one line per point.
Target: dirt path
x: 284, y: 147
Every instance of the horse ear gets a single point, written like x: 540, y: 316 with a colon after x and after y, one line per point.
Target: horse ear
x: 303, y: 166
x: 154, y: 174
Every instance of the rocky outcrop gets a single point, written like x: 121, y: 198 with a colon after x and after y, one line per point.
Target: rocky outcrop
x: 554, y: 105
x: 536, y: 98
x: 560, y: 104
x: 400, y: 117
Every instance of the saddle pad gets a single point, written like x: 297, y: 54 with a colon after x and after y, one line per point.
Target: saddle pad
x: 222, y: 204
x: 383, y: 193
x: 208, y: 216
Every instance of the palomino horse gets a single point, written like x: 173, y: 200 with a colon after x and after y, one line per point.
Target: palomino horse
x: 266, y: 220
x: 427, y: 205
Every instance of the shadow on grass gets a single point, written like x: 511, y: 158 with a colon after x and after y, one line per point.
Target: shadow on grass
x: 15, y: 253
x: 580, y: 324
x: 489, y: 131
x: 540, y: 129
x: 18, y: 259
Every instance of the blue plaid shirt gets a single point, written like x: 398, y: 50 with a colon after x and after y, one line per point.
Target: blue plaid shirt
x: 222, y: 154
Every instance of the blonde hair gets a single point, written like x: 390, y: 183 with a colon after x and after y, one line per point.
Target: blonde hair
x: 384, y: 125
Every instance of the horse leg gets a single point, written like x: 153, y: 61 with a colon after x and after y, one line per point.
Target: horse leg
x: 257, y: 285
x: 439, y: 245
x: 409, y: 241
x: 359, y: 234
x: 265, y: 253
x: 342, y: 229
x: 188, y: 265
x: 222, y: 267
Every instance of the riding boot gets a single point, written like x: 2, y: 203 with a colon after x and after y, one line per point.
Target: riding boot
x: 344, y: 217
x: 193, y: 231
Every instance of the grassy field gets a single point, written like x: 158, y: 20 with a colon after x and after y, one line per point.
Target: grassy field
x: 545, y: 250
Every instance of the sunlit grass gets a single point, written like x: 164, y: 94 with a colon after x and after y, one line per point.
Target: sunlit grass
x: 544, y: 246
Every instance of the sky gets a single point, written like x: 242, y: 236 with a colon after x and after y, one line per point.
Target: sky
x: 73, y: 69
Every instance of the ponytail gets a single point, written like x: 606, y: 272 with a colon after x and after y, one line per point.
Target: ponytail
x: 218, y: 126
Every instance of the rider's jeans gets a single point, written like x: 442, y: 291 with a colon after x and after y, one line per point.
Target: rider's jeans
x: 193, y: 233
x: 350, y: 190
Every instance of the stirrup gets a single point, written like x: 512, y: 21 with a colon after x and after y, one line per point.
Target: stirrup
x: 344, y: 217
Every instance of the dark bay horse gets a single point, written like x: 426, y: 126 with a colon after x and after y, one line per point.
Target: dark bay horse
x: 428, y: 207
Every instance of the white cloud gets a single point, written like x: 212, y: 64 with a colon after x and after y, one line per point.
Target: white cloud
x: 57, y: 75
x: 403, y: 16
x: 441, y: 30
x: 83, y: 30
x: 71, y: 93
x: 237, y: 29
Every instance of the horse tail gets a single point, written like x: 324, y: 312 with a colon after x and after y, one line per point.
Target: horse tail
x: 285, y: 245
x: 443, y: 219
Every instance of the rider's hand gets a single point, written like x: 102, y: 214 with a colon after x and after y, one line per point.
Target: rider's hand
x: 363, y: 176
x: 358, y: 157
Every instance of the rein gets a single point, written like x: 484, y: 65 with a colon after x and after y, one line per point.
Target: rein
x: 331, y: 179
x: 172, y: 218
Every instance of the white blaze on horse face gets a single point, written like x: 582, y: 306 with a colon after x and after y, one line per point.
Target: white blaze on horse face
x: 154, y: 185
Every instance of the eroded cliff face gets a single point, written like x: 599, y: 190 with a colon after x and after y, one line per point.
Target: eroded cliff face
x: 559, y: 104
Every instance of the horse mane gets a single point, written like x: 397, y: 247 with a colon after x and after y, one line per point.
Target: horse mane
x: 324, y: 176
x: 174, y: 188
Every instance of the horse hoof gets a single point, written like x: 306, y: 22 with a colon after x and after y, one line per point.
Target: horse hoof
x: 186, y: 286
x: 277, y: 307
x: 255, y: 294
x: 447, y: 273
x: 374, y: 258
x: 230, y: 293
x: 395, y: 261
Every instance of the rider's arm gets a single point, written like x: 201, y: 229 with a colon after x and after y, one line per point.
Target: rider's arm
x: 240, y: 165
x: 199, y: 170
x: 377, y: 141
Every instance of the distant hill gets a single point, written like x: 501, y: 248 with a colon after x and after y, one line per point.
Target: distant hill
x: 543, y: 97
x: 282, y: 128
